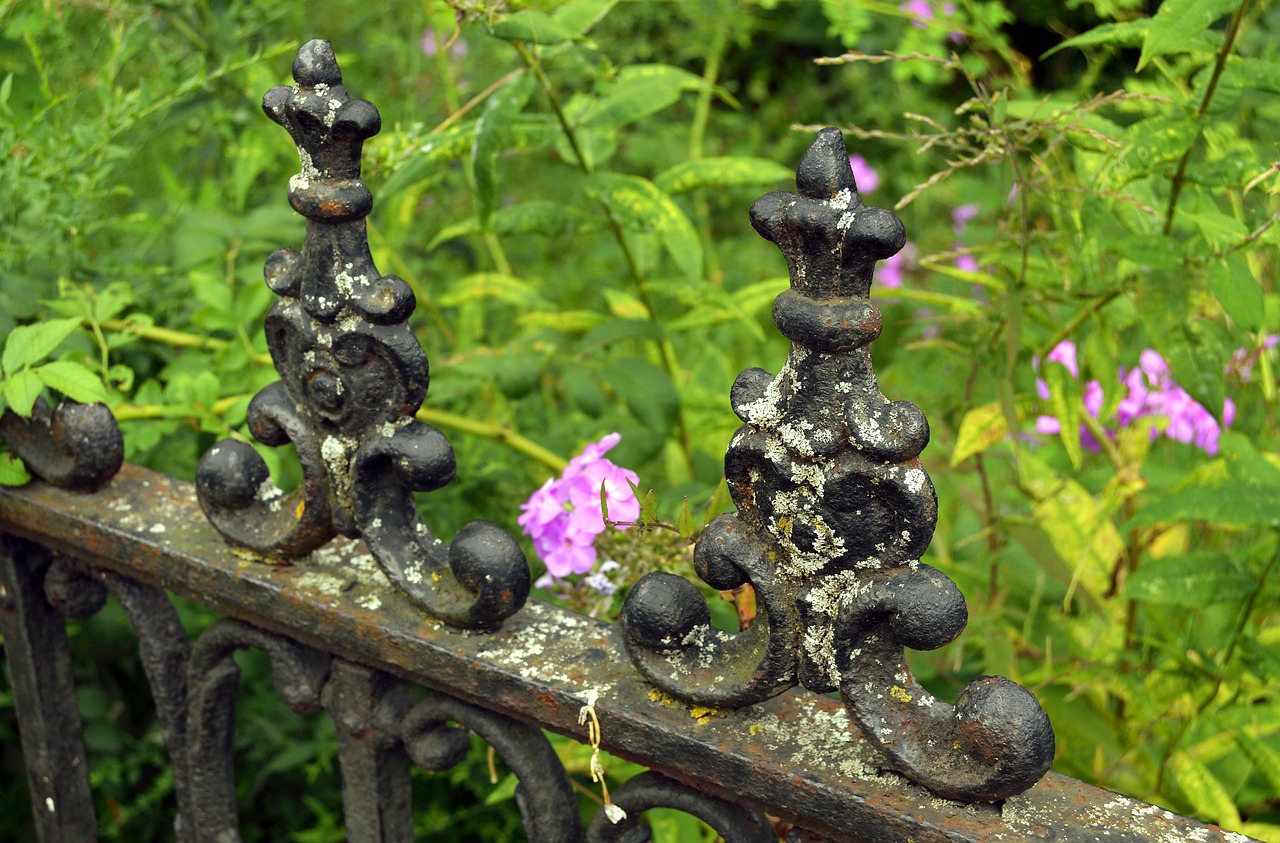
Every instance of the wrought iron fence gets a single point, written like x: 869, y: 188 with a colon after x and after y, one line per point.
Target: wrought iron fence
x: 354, y: 601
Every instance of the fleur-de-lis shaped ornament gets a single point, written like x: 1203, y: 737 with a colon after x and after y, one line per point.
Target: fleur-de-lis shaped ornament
x: 352, y: 375
x: 834, y: 511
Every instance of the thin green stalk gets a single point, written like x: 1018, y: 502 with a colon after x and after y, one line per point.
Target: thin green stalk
x: 665, y: 352
x: 1220, y: 65
x: 497, y: 432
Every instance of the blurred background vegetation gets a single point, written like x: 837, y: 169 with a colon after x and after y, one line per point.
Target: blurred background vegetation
x: 564, y: 185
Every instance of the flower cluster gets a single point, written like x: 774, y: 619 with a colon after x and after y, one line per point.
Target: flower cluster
x: 564, y: 516
x: 922, y: 11
x: 1151, y: 393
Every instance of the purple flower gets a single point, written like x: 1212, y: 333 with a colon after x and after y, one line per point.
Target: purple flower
x: 1151, y: 392
x: 563, y: 517
x: 864, y: 176
x: 920, y: 10
x: 960, y: 216
x: 967, y: 262
x: 432, y: 42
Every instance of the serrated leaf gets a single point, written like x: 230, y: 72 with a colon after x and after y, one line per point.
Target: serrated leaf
x: 639, y: 205
x: 684, y: 522
x: 1123, y: 34
x: 1207, y: 795
x: 720, y: 501
x: 727, y: 171
x: 980, y: 428
x: 21, y: 391
x: 1238, y: 291
x: 638, y: 91
x: 29, y: 344
x: 1177, y: 22
x: 73, y: 380
x: 492, y: 137
x: 12, y: 470
x: 1195, y: 579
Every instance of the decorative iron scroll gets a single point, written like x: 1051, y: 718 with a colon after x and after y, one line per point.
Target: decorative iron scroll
x: 834, y: 511
x: 75, y: 446
x: 352, y: 377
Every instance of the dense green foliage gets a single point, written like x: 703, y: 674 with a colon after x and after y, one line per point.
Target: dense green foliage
x: 565, y: 189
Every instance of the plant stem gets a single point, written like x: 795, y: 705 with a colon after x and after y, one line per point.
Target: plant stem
x: 495, y: 431
x: 1180, y: 176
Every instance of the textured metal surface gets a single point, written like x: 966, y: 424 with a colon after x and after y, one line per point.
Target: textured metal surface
x: 834, y: 511
x: 648, y: 790
x: 792, y: 756
x: 352, y: 376
x: 76, y: 446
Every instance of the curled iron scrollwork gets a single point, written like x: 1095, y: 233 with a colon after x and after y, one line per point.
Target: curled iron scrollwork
x: 834, y: 511
x: 73, y: 446
x: 352, y: 377
x: 543, y: 793
x: 734, y: 823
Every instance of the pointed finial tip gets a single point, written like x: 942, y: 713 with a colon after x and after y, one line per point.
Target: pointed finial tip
x: 824, y: 170
x: 316, y: 64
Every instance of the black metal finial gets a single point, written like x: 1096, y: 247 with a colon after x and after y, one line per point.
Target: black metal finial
x: 834, y: 513
x: 352, y: 377
x: 74, y: 446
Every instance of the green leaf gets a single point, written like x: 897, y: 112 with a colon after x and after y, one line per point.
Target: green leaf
x: 73, y: 380
x: 638, y: 91
x: 1177, y: 23
x: 684, y: 522
x: 492, y: 137
x: 1249, y: 496
x: 534, y: 26
x: 616, y: 330
x: 21, y: 391
x: 1263, y: 757
x: 639, y: 205
x: 1064, y: 396
x: 720, y: 501
x: 436, y: 150
x: 980, y: 428
x: 1238, y: 291
x: 29, y: 344
x: 580, y: 16
x: 1123, y: 34
x: 495, y: 286
x: 1202, y: 789
x: 727, y: 171
x: 1195, y: 579
x: 12, y: 471
x: 583, y: 388
x: 648, y: 392
x: 504, y: 790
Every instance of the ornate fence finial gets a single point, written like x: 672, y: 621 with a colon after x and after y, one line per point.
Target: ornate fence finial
x: 74, y: 446
x: 352, y: 377
x: 834, y: 512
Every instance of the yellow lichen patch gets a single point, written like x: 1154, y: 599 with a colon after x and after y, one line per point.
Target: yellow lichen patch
x: 755, y: 729
x: 659, y: 696
x: 900, y: 694
x: 302, y: 506
x: 703, y: 713
x: 436, y: 576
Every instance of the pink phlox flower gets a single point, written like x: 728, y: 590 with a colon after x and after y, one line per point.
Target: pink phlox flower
x: 1152, y: 392
x: 960, y: 216
x: 920, y: 10
x: 563, y: 517
x: 889, y: 272
x: 1065, y: 353
x: 966, y: 262
x: 432, y: 42
x: 864, y: 175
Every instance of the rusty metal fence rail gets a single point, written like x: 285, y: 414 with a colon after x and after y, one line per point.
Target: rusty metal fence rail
x: 355, y: 602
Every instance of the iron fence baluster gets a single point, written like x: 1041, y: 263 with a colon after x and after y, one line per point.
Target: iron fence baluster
x: 367, y: 707
x: 734, y: 823
x: 44, y: 697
